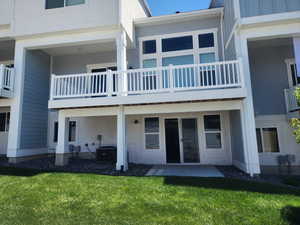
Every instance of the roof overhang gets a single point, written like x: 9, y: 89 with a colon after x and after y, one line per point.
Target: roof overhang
x: 185, y: 16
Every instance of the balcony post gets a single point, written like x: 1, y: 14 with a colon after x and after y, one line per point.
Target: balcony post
x: 52, y: 88
x: 122, y: 163
x: 1, y: 75
x: 61, y: 158
x: 247, y: 111
x: 172, y: 85
x: 110, y: 83
x: 121, y: 43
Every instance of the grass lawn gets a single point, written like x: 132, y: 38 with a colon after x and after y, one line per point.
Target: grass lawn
x: 29, y: 197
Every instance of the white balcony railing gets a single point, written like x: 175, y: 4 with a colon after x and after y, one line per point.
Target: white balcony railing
x: 6, y: 78
x: 219, y: 75
x: 291, y: 100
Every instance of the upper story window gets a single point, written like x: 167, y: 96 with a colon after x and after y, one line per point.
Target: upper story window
x: 149, y: 47
x: 51, y: 4
x: 195, y: 47
x: 177, y: 44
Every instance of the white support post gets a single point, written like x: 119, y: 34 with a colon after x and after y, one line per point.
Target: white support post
x: 121, y: 43
x: 61, y: 158
x: 14, y: 136
x: 52, y: 88
x: 247, y: 111
x: 122, y: 163
x: 1, y: 75
x: 172, y: 85
x: 110, y: 82
x: 296, y: 42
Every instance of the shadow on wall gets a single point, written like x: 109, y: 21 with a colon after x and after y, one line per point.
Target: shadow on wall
x: 291, y: 215
x: 231, y: 185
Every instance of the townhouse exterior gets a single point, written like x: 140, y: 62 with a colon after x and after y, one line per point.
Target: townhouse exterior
x: 208, y: 87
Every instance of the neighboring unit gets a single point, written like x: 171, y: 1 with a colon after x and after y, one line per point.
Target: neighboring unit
x: 208, y: 87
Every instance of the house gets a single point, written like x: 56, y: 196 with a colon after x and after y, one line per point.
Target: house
x: 207, y: 87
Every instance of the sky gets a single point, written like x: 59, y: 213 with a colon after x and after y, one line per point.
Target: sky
x: 163, y: 7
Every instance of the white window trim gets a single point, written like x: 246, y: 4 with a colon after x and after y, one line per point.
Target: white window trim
x: 213, y: 132
x: 6, y: 128
x: 262, y: 139
x: 290, y: 62
x: 91, y: 67
x: 76, y: 136
x: 196, y: 51
x: 159, y: 133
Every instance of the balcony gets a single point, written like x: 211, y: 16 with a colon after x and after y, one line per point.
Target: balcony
x: 220, y: 80
x: 6, y: 82
x: 292, y: 104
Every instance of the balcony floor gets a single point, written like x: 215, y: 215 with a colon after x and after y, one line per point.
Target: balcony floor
x: 184, y: 96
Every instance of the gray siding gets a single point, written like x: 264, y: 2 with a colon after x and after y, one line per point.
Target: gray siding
x: 230, y: 52
x: 236, y: 137
x: 269, y: 78
x: 265, y: 7
x: 229, y: 18
x: 35, y: 100
x: 178, y: 27
x: 216, y: 3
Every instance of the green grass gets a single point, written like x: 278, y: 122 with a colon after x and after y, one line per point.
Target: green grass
x: 30, y: 197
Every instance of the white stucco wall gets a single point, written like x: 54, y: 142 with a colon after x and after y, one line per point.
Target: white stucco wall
x: 287, y: 143
x: 89, y: 127
x: 3, y: 135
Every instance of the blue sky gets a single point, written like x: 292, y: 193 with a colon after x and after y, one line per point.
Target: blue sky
x: 163, y: 7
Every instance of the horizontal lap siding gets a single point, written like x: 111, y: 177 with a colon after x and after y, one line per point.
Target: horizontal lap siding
x: 35, y: 101
x: 269, y: 78
x: 265, y: 7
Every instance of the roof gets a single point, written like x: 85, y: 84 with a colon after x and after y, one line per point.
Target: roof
x: 146, y: 7
x: 186, y: 16
x: 216, y: 3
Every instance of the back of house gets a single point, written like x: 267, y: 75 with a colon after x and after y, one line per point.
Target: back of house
x: 207, y: 87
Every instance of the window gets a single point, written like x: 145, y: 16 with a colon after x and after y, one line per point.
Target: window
x: 4, y: 121
x: 207, y: 58
x: 178, y: 49
x: 72, y: 132
x: 296, y: 79
x: 177, y: 43
x: 55, y: 136
x: 149, y: 63
x: 206, y: 40
x: 149, y: 47
x: 52, y: 4
x: 267, y: 140
x: 178, y: 60
x: 152, y: 133
x: 212, y: 129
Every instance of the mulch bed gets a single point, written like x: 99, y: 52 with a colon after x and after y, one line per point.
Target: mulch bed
x: 77, y: 165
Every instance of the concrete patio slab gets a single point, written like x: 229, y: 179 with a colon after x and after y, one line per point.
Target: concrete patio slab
x: 185, y: 171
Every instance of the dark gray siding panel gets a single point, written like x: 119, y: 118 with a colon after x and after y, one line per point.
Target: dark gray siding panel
x: 237, y: 147
x: 265, y: 7
x: 35, y: 100
x: 229, y: 18
x: 269, y: 78
x: 230, y: 52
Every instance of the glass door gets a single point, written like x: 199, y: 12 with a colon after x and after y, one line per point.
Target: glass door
x: 190, y: 143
